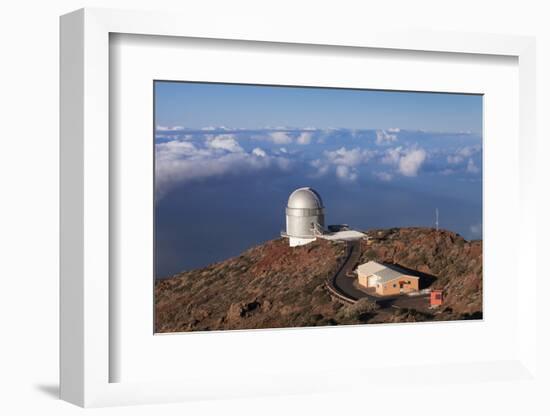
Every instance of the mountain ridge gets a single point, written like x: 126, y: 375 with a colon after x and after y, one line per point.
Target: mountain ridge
x: 272, y: 285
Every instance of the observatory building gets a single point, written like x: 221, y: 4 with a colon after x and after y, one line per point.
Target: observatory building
x: 305, y: 220
x: 305, y: 217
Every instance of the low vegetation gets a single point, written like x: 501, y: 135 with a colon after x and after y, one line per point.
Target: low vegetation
x: 455, y: 264
x: 274, y: 286
x: 360, y: 312
x: 268, y: 286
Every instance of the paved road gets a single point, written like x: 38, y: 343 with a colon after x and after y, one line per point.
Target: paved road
x: 343, y: 283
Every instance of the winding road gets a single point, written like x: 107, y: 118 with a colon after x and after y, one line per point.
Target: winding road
x: 342, y: 283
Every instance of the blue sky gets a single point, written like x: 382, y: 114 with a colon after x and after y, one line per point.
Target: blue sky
x: 196, y: 105
x: 228, y: 156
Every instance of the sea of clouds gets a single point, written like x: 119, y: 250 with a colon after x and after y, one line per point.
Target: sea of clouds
x: 187, y: 155
x: 221, y: 190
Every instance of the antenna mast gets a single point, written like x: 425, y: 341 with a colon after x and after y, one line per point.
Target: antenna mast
x: 437, y: 219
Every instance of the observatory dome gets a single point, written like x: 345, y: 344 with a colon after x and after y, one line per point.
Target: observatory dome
x: 305, y: 198
x: 305, y: 216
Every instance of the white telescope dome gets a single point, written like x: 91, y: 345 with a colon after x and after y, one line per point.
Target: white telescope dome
x: 305, y: 198
x: 305, y: 216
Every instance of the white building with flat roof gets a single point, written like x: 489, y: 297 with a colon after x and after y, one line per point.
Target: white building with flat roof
x: 387, y: 279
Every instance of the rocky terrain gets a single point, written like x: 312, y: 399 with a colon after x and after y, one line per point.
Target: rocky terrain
x: 268, y: 286
x: 273, y: 285
x: 454, y: 264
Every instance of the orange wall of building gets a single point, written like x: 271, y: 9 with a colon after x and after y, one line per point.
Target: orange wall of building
x: 388, y: 289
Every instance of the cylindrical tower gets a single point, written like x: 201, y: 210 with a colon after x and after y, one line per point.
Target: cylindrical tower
x: 305, y: 216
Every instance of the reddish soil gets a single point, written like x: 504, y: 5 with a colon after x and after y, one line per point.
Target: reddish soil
x: 273, y: 285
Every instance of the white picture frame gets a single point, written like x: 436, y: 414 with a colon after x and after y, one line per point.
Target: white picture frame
x: 86, y: 265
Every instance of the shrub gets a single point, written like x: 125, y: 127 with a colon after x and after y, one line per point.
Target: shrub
x: 370, y: 255
x: 364, y: 305
x: 362, y: 310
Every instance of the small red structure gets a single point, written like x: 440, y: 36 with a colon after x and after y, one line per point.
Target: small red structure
x: 436, y: 298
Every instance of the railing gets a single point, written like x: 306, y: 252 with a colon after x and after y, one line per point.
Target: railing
x: 419, y: 292
x: 334, y: 292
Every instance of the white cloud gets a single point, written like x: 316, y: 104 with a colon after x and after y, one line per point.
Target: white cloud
x: 407, y: 161
x: 224, y: 142
x: 461, y: 154
x: 321, y: 167
x: 163, y: 136
x: 384, y: 176
x: 170, y: 172
x: 454, y: 159
x: 304, y: 138
x: 346, y: 173
x: 386, y: 136
x: 392, y: 156
x: 175, y: 148
x: 468, y: 151
x: 346, y: 162
x: 280, y: 137
x: 471, y: 167
x: 394, y: 130
x: 208, y: 128
x: 259, y: 152
x: 283, y: 163
x: 462, y: 159
x: 178, y: 162
x: 317, y: 163
x: 172, y: 128
x: 410, y: 164
x: 345, y: 157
